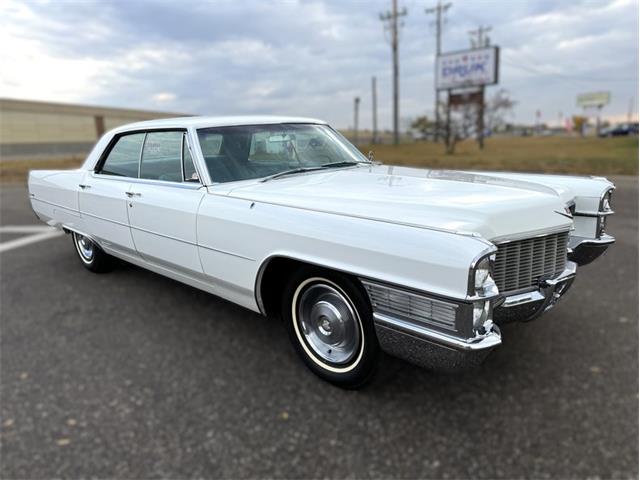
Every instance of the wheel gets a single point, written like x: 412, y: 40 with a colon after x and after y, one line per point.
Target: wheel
x: 329, y: 321
x: 92, y: 256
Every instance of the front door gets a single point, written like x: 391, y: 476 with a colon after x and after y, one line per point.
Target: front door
x: 164, y: 202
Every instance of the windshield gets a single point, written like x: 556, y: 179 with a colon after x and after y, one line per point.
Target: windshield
x: 255, y: 151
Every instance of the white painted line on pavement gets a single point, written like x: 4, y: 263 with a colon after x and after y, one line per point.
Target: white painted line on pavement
x: 25, y: 228
x: 23, y: 241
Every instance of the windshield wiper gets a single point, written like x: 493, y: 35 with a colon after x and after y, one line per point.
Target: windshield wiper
x: 290, y: 172
x: 340, y: 164
x: 310, y: 169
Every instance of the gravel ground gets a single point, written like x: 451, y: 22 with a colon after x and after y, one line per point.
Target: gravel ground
x: 132, y: 375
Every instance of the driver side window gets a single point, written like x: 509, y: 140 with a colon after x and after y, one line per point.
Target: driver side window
x: 162, y: 156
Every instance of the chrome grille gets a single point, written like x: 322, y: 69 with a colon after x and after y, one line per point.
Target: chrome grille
x: 520, y: 264
x: 403, y: 304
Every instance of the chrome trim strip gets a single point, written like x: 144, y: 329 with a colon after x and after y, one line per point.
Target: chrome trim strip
x: 491, y: 339
x: 144, y: 140
x: 148, y: 181
x: 182, y: 155
x: 105, y: 219
x: 535, y: 234
x: 471, y: 291
x: 594, y: 214
x: 610, y: 189
x: 605, y: 239
x: 198, y: 157
x: 515, y: 300
x: 71, y: 229
x: 33, y: 197
x: 169, y: 237
x: 206, y: 247
x: 569, y: 272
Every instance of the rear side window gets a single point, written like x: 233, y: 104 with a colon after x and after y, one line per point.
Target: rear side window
x: 162, y: 156
x: 123, y: 157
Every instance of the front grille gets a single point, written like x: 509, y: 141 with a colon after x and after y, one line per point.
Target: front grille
x: 520, y: 264
x: 408, y: 305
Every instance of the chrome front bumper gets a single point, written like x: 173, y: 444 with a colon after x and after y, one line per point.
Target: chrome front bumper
x: 408, y: 335
x: 429, y: 331
x: 433, y: 350
x: 586, y: 250
x: 525, y: 306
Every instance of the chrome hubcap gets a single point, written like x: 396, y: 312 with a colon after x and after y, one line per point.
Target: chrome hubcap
x: 85, y: 246
x: 329, y: 323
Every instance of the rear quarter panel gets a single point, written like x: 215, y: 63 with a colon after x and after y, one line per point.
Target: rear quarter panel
x: 54, y: 196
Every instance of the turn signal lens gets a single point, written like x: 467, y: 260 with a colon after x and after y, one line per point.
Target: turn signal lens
x: 480, y: 314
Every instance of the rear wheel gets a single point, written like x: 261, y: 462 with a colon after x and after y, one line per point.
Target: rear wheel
x: 92, y: 256
x: 329, y: 321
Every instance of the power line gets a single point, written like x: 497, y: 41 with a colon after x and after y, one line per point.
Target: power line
x: 391, y: 22
x: 481, y: 39
x: 438, y: 11
x: 566, y: 76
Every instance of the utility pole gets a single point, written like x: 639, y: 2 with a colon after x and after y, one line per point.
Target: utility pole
x: 438, y: 10
x: 481, y: 40
x: 391, y: 20
x: 356, y: 106
x: 374, y: 108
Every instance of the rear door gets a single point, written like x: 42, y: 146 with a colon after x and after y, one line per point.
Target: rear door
x: 103, y: 194
x: 164, y: 203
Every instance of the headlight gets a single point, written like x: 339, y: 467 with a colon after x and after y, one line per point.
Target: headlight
x: 483, y: 270
x: 605, y: 203
x: 481, y: 282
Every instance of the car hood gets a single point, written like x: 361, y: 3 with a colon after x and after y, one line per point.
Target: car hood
x: 461, y: 202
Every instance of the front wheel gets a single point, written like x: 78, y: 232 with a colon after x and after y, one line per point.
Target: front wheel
x: 92, y: 256
x: 329, y: 321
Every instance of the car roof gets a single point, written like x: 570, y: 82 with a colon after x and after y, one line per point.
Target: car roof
x: 204, y: 122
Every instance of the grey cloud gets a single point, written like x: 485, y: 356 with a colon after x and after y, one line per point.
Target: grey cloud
x: 312, y: 58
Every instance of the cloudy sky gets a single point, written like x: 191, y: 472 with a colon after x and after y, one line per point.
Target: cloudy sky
x: 309, y: 57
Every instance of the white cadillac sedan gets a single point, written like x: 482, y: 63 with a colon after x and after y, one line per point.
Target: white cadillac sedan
x: 285, y: 217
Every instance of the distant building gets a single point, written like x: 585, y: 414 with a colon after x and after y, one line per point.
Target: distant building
x: 30, y: 129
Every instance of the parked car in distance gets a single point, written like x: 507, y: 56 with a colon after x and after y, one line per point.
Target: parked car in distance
x: 287, y: 218
x: 620, y: 130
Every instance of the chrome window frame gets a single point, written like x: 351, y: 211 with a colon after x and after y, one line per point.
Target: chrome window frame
x: 95, y: 173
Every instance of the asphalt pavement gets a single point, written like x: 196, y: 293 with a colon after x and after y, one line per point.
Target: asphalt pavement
x: 132, y: 375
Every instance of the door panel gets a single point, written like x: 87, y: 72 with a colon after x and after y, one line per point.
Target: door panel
x: 103, y: 206
x: 163, y: 224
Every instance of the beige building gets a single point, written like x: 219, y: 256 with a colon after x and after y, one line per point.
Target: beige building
x: 29, y: 129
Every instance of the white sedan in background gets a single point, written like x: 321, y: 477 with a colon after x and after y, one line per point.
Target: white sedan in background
x: 285, y: 217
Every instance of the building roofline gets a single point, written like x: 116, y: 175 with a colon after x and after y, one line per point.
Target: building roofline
x: 14, y: 104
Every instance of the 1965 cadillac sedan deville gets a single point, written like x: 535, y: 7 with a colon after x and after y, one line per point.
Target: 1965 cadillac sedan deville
x: 285, y: 217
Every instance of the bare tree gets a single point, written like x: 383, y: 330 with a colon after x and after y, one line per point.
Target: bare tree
x: 463, y: 122
x: 497, y: 108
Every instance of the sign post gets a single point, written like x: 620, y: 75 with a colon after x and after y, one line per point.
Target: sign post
x: 595, y: 100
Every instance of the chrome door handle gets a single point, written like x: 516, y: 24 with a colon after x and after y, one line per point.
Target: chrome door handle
x: 133, y: 194
x: 84, y: 185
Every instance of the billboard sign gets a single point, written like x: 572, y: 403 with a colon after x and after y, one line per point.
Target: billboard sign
x: 459, y: 99
x: 467, y: 68
x: 593, y: 99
